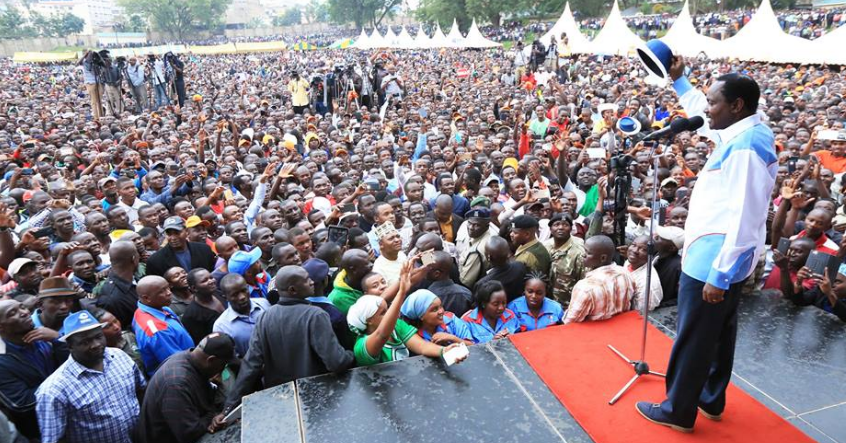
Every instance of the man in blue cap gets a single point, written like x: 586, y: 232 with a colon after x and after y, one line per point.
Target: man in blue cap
x: 248, y: 265
x: 108, y: 412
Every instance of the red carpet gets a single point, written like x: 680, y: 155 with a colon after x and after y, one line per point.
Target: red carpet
x: 575, y: 363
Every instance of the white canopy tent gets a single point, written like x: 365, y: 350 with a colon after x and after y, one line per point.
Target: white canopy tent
x: 404, y: 40
x: 454, y: 38
x: 831, y: 47
x: 683, y: 39
x: 439, y: 40
x: 615, y: 38
x: 762, y: 39
x: 391, y: 40
x: 475, y: 39
x: 579, y: 44
x: 363, y: 41
x: 422, y: 40
x: 376, y: 40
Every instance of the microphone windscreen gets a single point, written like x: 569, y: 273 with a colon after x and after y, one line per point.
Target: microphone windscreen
x: 679, y: 125
x: 695, y: 122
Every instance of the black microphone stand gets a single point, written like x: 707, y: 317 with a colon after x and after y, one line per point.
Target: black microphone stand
x: 641, y: 367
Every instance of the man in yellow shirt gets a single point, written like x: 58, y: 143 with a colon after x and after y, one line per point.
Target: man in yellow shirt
x: 298, y: 87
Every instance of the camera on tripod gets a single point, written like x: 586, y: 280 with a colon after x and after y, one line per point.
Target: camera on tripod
x: 621, y: 163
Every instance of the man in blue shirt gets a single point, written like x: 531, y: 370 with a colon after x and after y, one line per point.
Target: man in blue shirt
x: 158, y: 330
x: 239, y: 319
x: 110, y: 380
x: 137, y: 83
x: 724, y: 233
x: 158, y: 191
x: 56, y: 298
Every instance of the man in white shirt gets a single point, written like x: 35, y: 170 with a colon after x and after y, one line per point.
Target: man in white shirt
x: 392, y: 84
x: 128, y: 195
x: 137, y: 84
x: 725, y: 236
x: 637, y: 265
x: 159, y: 79
x: 389, y: 264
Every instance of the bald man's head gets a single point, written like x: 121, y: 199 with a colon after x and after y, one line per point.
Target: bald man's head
x: 123, y: 254
x: 498, y: 251
x: 226, y: 246
x: 440, y: 267
x: 293, y: 281
x: 154, y: 291
x: 429, y: 241
x: 356, y: 263
x: 599, y: 251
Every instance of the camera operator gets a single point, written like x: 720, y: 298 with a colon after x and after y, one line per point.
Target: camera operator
x: 137, y: 85
x: 112, y: 77
x: 91, y: 64
x: 159, y: 79
x: 178, y: 79
x: 366, y: 86
x: 392, y: 85
x: 298, y: 87
x: 318, y: 93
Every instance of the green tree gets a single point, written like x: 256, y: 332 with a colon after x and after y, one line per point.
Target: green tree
x: 317, y: 11
x: 291, y: 16
x: 490, y: 11
x: 443, y: 12
x: 67, y: 23
x: 179, y: 18
x: 14, y: 25
x: 134, y: 23
x: 362, y: 12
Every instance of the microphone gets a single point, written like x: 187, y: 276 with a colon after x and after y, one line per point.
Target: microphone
x: 676, y: 126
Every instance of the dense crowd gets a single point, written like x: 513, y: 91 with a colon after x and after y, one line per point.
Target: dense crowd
x: 251, y: 220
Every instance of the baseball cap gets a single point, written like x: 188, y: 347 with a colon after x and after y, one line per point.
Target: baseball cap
x: 194, y: 221
x: 668, y: 180
x: 671, y: 233
x: 174, y: 222
x: 105, y: 180
x: 241, y: 261
x: 79, y: 322
x: 219, y: 345
x: 17, y: 264
x: 317, y: 269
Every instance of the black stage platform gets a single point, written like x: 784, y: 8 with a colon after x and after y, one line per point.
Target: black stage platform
x: 791, y: 359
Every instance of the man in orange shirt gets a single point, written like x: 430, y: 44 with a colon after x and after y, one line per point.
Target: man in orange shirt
x: 834, y: 158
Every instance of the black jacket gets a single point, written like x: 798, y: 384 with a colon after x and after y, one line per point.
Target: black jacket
x: 20, y: 378
x: 164, y: 259
x: 291, y: 340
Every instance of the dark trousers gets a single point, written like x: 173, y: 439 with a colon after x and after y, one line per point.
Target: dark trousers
x: 179, y: 84
x: 703, y: 354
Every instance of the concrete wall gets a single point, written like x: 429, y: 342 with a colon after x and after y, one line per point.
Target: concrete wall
x: 9, y: 47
